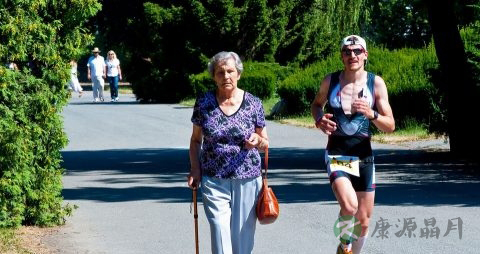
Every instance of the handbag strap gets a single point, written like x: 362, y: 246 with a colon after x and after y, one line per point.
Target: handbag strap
x: 265, y: 163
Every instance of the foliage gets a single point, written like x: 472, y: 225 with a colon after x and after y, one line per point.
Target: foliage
x: 396, y: 23
x: 404, y: 23
x: 177, y: 38
x: 299, y: 89
x: 259, y: 79
x: 40, y: 37
x: 471, y: 39
x: 411, y: 75
x: 315, y: 29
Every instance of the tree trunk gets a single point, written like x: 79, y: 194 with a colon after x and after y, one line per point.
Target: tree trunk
x: 459, y: 85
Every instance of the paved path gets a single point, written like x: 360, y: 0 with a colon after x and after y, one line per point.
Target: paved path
x: 126, y: 166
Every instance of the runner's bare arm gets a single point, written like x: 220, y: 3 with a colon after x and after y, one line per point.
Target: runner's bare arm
x: 385, y: 121
x: 322, y: 120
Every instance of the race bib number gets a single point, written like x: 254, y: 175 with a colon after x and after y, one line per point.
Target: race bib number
x: 348, y: 164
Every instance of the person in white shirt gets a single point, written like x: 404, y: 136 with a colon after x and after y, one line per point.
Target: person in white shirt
x: 114, y: 74
x: 96, y: 72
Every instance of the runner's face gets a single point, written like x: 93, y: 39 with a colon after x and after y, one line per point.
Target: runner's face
x: 353, y: 57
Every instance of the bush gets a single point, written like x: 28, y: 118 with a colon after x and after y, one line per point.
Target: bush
x: 41, y: 37
x: 259, y: 79
x: 299, y: 89
x: 410, y: 75
x: 30, y: 142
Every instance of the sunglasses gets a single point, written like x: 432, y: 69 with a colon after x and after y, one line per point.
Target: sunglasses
x: 357, y: 51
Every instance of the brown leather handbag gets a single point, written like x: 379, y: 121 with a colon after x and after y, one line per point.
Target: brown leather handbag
x: 267, y: 204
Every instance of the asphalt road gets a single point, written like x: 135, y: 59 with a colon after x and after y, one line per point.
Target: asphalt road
x: 126, y: 166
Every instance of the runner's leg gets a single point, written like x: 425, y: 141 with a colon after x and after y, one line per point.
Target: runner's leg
x: 347, y: 198
x: 365, y: 209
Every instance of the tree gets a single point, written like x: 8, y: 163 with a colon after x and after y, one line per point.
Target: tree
x: 40, y: 37
x: 166, y: 41
x: 458, y: 81
x: 397, y: 23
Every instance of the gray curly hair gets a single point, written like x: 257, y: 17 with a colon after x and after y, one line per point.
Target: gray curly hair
x: 223, y: 57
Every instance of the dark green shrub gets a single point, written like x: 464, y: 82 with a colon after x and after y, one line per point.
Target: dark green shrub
x: 288, y: 32
x: 201, y: 83
x: 259, y: 79
x: 260, y: 82
x: 150, y: 85
x: 410, y: 78
x: 299, y: 89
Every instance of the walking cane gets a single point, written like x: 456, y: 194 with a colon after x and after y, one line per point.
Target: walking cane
x: 195, y: 217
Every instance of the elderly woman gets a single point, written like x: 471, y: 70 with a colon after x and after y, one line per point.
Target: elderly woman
x: 228, y: 131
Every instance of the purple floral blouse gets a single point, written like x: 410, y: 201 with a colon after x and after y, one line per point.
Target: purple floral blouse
x: 223, y: 154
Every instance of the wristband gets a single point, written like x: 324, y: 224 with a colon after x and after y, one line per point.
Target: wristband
x: 375, y: 116
x: 319, y: 117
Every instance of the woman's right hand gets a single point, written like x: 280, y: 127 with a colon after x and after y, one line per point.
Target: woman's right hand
x: 194, y: 178
x: 326, y: 125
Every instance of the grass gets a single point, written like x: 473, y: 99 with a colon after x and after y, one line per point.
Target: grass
x: 411, y: 132
x: 125, y: 90
x: 24, y: 240
x: 9, y: 243
x: 121, y: 89
x: 188, y: 102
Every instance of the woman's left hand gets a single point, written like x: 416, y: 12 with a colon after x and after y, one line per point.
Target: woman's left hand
x: 256, y: 140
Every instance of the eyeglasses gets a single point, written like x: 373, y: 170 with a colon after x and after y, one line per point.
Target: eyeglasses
x: 357, y: 51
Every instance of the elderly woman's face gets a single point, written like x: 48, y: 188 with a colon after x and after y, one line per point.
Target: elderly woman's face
x: 226, y: 75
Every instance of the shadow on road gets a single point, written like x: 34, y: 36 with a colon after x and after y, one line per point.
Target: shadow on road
x: 404, y: 177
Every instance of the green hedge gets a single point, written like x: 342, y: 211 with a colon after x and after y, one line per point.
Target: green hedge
x: 31, y: 137
x: 259, y: 79
x: 299, y: 89
x: 408, y: 73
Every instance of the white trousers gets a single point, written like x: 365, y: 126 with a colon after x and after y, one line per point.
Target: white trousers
x: 230, y: 209
x: 75, y: 85
x: 97, y: 86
